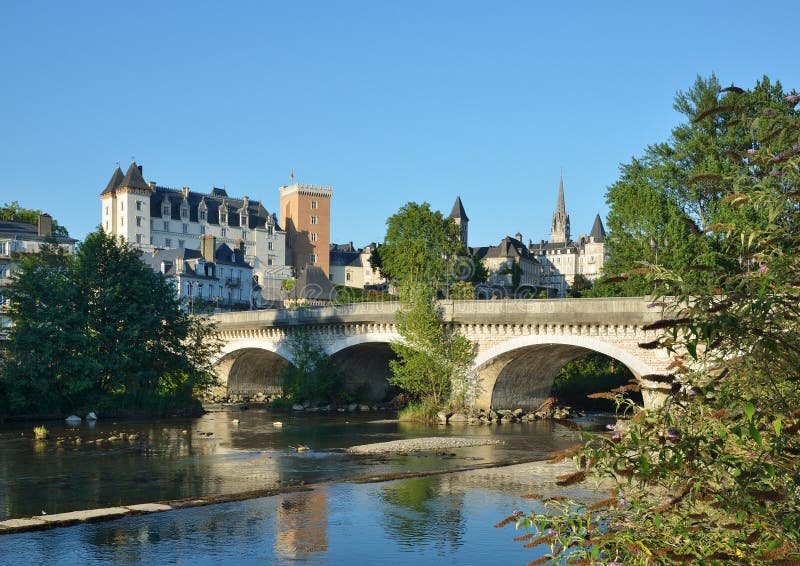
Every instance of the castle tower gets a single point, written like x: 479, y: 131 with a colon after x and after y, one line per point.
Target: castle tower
x: 559, y: 228
x: 126, y: 206
x: 306, y: 217
x: 459, y: 216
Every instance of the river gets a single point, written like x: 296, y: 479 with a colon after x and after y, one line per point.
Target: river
x: 437, y: 519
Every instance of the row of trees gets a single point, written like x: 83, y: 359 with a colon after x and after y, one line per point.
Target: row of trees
x: 714, y: 475
x: 97, y: 331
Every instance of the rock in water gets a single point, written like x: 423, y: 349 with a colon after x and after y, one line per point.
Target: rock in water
x: 73, y: 420
x: 91, y: 416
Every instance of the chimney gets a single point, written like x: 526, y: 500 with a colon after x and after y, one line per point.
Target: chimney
x: 45, y: 225
x: 140, y: 168
x: 208, y: 245
x: 240, y: 248
x: 518, y: 236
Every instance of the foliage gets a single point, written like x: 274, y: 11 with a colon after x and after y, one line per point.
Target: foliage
x: 662, y: 205
x: 312, y: 377
x: 421, y: 246
x: 345, y: 294
x: 40, y: 432
x: 586, y: 376
x: 13, y: 211
x: 101, y: 330
x: 462, y: 291
x: 579, y: 286
x: 288, y: 284
x: 433, y: 361
x: 713, y: 475
x: 418, y: 412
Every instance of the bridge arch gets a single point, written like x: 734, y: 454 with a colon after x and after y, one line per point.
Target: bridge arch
x: 520, y: 372
x: 247, y: 367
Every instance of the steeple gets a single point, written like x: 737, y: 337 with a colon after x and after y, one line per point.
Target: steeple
x: 459, y: 216
x: 559, y: 228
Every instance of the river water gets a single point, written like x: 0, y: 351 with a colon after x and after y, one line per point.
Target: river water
x: 428, y: 520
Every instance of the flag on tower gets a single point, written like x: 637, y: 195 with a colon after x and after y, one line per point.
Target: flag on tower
x: 291, y: 176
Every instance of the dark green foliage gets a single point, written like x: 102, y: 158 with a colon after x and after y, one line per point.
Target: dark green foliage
x: 13, y: 211
x: 101, y: 331
x: 594, y: 373
x: 580, y: 285
x: 312, y: 377
x: 346, y: 294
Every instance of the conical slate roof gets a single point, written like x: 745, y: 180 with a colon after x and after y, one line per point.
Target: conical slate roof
x: 598, y: 232
x: 560, y: 204
x: 313, y: 284
x: 116, y: 180
x: 133, y: 178
x: 458, y: 211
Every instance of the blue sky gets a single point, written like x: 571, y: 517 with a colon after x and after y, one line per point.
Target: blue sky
x: 388, y: 102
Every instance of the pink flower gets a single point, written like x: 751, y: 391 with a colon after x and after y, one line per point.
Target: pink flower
x: 751, y: 152
x: 762, y: 268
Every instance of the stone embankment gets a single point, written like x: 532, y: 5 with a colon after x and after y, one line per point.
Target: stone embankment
x: 420, y: 444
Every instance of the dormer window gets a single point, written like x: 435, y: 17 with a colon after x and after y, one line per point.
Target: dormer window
x: 184, y: 210
x: 166, y: 210
x: 202, y: 215
x: 223, y: 215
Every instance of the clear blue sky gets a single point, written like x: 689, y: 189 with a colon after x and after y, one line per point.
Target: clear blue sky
x: 387, y: 102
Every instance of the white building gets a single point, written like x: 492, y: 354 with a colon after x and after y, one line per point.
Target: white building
x: 215, y: 277
x: 350, y: 266
x: 152, y: 217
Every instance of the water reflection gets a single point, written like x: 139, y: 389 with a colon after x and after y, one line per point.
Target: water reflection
x: 210, y: 455
x: 302, y: 525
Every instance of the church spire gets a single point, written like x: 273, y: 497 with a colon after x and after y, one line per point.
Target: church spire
x: 559, y: 228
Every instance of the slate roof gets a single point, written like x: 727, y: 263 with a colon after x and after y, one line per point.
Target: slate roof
x: 14, y: 230
x: 222, y: 256
x: 313, y: 284
x: 133, y: 178
x: 458, y: 211
x: 114, y: 182
x: 598, y: 232
x: 508, y: 247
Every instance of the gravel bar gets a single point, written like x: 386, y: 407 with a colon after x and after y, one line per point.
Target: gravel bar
x: 418, y: 444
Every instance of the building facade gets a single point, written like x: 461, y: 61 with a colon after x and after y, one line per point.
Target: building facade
x: 351, y: 267
x: 151, y: 217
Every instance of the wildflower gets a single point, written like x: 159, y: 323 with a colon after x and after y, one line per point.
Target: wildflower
x: 616, y: 437
x: 792, y: 98
x: 751, y: 152
x: 611, y: 427
x: 762, y: 268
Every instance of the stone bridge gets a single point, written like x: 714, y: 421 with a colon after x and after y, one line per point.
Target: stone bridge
x: 520, y: 344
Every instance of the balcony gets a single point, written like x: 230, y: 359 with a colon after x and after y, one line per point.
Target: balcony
x: 233, y: 281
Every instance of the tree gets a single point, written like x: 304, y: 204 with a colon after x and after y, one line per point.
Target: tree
x: 420, y: 246
x: 712, y: 475
x: 101, y: 330
x: 13, y: 211
x: 312, y: 377
x: 433, y: 361
x: 579, y: 286
x: 663, y: 202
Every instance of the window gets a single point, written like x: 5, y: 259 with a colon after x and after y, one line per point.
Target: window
x: 244, y: 234
x: 313, y: 205
x: 3, y: 248
x: 202, y: 230
x: 223, y: 216
x: 269, y: 246
x: 138, y: 221
x: 347, y: 276
x: 122, y: 205
x: 223, y: 232
x: 168, y: 243
x: 185, y: 228
x: 269, y: 261
x: 184, y: 212
x: 165, y: 210
x: 202, y: 215
x: 138, y: 238
x: 138, y: 205
x: 122, y: 221
x: 166, y: 225
x: 269, y: 230
x: 106, y: 210
x: 313, y: 219
x: 312, y: 258
x: 313, y: 236
x: 181, y: 243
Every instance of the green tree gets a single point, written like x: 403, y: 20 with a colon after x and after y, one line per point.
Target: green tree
x: 579, y: 286
x: 13, y: 211
x: 421, y: 245
x: 433, y: 361
x: 312, y: 377
x: 102, y: 331
x: 712, y: 476
x: 661, y: 207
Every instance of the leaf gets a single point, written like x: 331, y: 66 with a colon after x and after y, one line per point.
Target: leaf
x: 749, y: 411
x: 777, y: 425
x: 754, y: 434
